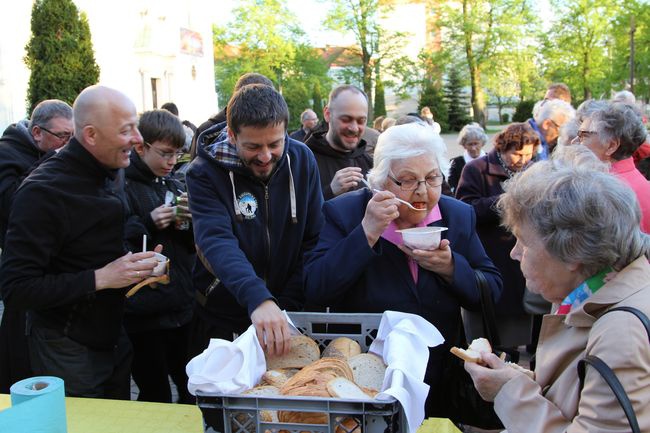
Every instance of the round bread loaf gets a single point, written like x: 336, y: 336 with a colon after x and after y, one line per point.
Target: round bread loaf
x: 303, y: 352
x: 342, y: 347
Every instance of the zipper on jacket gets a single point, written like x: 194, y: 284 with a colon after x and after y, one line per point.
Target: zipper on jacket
x: 268, y: 233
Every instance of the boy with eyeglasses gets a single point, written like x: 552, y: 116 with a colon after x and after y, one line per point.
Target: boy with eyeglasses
x: 157, y: 319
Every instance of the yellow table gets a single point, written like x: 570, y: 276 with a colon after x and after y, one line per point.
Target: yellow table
x: 438, y: 425
x: 87, y: 415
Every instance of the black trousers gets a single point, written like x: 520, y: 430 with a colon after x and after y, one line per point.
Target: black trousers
x: 86, y: 372
x: 158, y: 354
x: 14, y: 353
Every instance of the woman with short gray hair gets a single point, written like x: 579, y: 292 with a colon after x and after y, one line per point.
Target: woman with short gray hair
x: 362, y: 265
x: 580, y: 247
x: 613, y: 132
x: 472, y: 138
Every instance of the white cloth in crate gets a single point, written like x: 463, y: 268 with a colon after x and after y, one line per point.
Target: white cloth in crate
x: 402, y: 341
x: 227, y: 367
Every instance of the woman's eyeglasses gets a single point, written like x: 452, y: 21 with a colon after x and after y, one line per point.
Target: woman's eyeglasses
x: 584, y: 134
x: 165, y: 155
x: 412, y: 184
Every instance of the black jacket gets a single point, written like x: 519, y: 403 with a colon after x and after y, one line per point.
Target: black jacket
x: 299, y: 135
x: 455, y: 170
x: 481, y: 186
x: 331, y: 160
x: 220, y: 117
x: 168, y: 305
x: 18, y: 154
x: 67, y: 221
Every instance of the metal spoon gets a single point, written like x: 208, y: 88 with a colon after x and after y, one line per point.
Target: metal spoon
x: 409, y: 205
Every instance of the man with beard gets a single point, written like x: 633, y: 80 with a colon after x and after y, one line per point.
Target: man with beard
x: 337, y: 144
x: 256, y: 208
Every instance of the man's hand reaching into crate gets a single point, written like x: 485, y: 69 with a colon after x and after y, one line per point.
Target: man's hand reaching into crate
x: 272, y: 328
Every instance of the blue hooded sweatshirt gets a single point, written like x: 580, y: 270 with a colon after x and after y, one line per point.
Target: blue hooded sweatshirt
x: 251, y: 235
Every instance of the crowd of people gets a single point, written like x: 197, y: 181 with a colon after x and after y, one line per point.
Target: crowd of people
x: 553, y: 220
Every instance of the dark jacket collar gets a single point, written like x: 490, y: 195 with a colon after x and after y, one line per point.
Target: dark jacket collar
x: 494, y: 168
x: 138, y: 170
x: 86, y: 163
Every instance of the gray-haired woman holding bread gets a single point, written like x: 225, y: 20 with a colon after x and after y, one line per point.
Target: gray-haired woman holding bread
x: 580, y: 246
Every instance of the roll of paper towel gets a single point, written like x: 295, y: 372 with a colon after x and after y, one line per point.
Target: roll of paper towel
x: 37, y: 406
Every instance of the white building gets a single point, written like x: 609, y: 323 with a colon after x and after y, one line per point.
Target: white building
x: 155, y: 51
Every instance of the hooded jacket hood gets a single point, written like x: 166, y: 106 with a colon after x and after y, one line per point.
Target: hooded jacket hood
x: 224, y: 154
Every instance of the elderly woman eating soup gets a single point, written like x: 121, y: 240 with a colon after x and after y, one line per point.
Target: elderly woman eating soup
x: 361, y: 264
x: 580, y: 246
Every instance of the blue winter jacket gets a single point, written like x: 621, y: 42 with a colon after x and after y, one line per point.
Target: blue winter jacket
x: 343, y: 272
x: 249, y: 245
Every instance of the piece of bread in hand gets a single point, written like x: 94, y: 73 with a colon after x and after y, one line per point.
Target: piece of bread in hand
x: 303, y: 352
x: 518, y: 367
x: 473, y: 352
x: 342, y: 347
x: 341, y: 387
x: 368, y: 370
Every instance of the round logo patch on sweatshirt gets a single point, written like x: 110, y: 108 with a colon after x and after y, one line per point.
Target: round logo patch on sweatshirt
x: 247, y: 205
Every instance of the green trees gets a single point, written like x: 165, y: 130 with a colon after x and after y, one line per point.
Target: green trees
x: 577, y: 47
x: 477, y: 31
x: 432, y: 97
x: 263, y: 37
x: 455, y: 98
x: 60, y: 53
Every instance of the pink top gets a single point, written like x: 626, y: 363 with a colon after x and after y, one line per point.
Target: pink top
x: 627, y: 172
x: 392, y: 236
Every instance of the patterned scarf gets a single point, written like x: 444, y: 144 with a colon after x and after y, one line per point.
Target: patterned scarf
x: 590, y: 286
x: 503, y: 165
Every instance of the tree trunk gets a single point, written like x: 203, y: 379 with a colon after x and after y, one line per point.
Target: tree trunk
x: 585, y: 72
x: 478, y: 100
x: 366, y: 68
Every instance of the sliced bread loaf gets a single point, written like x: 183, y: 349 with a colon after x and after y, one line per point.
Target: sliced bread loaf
x: 303, y: 352
x: 343, y: 388
x: 368, y: 370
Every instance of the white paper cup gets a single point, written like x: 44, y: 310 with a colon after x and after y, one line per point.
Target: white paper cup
x: 422, y: 238
x: 161, y: 264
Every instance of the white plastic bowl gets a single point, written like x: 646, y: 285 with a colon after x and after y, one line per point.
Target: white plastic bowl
x: 422, y: 238
x: 161, y: 265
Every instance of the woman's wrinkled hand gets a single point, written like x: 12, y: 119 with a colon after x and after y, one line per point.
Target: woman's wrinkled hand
x: 380, y: 211
x: 440, y: 260
x: 489, y: 379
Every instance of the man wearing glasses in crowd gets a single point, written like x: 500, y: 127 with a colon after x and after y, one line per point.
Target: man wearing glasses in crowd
x: 26, y: 142
x: 22, y: 146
